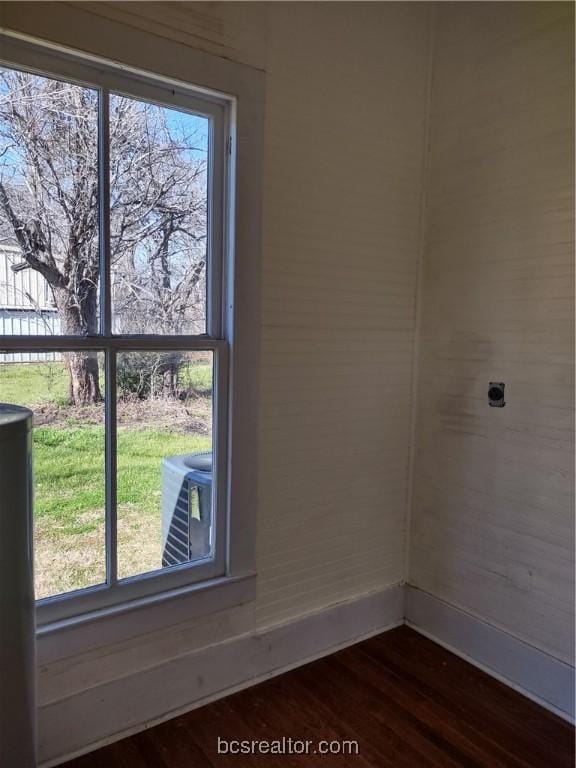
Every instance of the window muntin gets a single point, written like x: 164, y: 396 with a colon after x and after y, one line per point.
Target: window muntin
x: 214, y: 110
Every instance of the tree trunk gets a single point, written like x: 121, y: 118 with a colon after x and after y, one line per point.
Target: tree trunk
x: 169, y: 380
x: 165, y: 375
x: 79, y: 317
x: 84, y: 386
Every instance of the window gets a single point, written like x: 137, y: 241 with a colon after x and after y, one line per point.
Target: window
x: 115, y: 203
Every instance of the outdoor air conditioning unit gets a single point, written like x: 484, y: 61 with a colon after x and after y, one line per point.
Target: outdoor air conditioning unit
x: 186, y: 507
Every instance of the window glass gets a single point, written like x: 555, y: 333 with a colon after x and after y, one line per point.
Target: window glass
x: 123, y: 420
x: 68, y: 445
x: 158, y: 218
x: 164, y: 410
x: 49, y: 264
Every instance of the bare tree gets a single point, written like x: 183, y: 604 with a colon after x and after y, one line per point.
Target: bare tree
x: 49, y: 205
x: 158, y: 222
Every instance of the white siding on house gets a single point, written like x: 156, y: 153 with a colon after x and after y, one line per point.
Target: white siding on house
x: 26, y: 323
x: 25, y: 288
x: 26, y: 306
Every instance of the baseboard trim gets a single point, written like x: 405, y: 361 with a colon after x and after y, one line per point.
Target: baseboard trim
x: 532, y: 672
x: 116, y: 709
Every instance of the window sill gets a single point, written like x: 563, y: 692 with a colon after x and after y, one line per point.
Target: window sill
x: 69, y: 637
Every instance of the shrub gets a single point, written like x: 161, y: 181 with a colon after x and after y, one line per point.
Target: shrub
x: 148, y: 374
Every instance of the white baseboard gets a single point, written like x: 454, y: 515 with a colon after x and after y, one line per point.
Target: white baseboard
x: 111, y: 711
x: 541, y: 677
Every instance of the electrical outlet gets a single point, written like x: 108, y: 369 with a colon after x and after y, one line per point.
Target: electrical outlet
x: 496, y: 394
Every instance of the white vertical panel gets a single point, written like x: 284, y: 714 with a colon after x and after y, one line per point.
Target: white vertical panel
x: 22, y: 322
x: 341, y: 242
x: 23, y: 306
x: 493, y: 526
x: 24, y: 288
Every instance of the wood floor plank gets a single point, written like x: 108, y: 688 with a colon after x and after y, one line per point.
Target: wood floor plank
x: 481, y: 700
x: 465, y: 743
x: 294, y: 716
x: 335, y: 693
x: 377, y: 746
x: 385, y: 701
x: 408, y: 702
x: 171, y: 744
x: 224, y: 722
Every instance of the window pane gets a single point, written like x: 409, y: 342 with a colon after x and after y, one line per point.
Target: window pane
x: 48, y: 206
x: 68, y: 457
x: 164, y: 459
x: 158, y: 217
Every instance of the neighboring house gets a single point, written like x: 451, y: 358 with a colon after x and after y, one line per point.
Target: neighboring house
x: 26, y: 304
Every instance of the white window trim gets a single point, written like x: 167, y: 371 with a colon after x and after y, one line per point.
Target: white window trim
x: 235, y: 584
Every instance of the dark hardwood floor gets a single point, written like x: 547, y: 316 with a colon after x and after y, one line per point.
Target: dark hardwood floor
x: 406, y: 701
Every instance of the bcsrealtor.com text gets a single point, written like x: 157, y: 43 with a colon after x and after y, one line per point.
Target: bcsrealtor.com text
x: 287, y: 746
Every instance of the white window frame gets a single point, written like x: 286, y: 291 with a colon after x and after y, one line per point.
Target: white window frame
x: 228, y: 578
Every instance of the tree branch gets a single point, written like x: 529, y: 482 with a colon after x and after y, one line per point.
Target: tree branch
x: 31, y: 242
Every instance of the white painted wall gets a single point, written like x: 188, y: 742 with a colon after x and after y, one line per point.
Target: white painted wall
x: 343, y: 172
x: 493, y: 526
x: 343, y: 165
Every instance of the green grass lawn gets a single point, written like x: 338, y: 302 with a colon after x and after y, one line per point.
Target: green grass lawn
x: 69, y: 480
x: 69, y: 502
x: 69, y: 469
x: 35, y: 383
